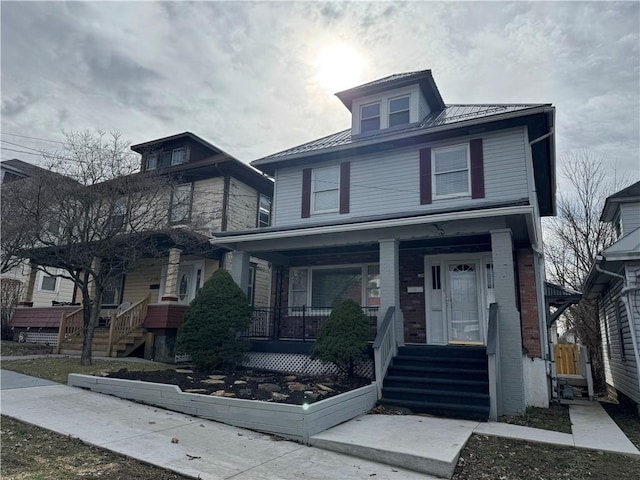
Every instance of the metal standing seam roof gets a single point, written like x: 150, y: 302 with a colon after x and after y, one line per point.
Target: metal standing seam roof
x: 451, y: 114
x: 382, y: 81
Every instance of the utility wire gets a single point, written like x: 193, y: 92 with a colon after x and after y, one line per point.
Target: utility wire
x: 33, y: 138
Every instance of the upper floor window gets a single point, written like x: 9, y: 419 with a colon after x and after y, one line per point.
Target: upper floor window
x: 399, y: 111
x: 264, y: 211
x: 165, y: 158
x: 118, y: 214
x: 180, y: 203
x: 451, y: 171
x: 325, y: 189
x: 48, y: 283
x: 370, y: 117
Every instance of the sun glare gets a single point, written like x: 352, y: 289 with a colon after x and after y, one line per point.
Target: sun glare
x: 339, y: 67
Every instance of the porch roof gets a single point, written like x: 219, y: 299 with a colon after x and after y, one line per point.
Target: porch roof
x: 276, y: 244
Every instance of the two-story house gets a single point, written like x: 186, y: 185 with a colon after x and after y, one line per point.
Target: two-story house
x: 428, y: 215
x: 614, y: 284
x: 210, y: 192
x: 47, y: 289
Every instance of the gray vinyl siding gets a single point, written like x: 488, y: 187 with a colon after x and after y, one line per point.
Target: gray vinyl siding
x: 620, y: 372
x: 387, y: 183
x: 423, y: 107
x: 629, y: 217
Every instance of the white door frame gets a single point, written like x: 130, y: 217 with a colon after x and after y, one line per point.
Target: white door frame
x: 437, y: 324
x: 196, y: 265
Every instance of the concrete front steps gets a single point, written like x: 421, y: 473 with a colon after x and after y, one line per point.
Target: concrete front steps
x: 449, y: 381
x: 123, y: 348
x: 424, y: 444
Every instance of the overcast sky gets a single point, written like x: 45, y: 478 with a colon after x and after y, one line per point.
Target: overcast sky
x: 255, y: 78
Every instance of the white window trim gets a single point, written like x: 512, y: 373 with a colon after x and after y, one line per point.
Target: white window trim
x: 379, y: 116
x: 42, y: 275
x: 268, y: 212
x: 363, y: 272
x: 389, y: 112
x: 434, y: 174
x: 171, y: 206
x: 411, y: 91
x: 313, y: 191
x: 197, y: 265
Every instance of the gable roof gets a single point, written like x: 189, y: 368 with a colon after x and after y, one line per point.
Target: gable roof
x: 422, y: 77
x: 141, y: 147
x: 611, y: 205
x: 23, y: 169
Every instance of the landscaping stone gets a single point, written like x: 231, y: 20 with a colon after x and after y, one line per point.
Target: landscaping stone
x: 298, y: 387
x: 324, y: 387
x: 291, y: 378
x: 222, y: 393
x: 269, y: 387
x: 311, y: 396
x: 183, y: 370
x: 213, y: 381
x: 217, y: 377
x: 278, y: 397
x: 196, y: 390
x: 239, y: 382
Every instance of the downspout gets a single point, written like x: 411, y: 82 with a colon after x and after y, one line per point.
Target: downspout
x: 624, y: 294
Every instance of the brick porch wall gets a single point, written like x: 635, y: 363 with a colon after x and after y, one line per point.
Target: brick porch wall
x: 529, y: 303
x: 412, y: 304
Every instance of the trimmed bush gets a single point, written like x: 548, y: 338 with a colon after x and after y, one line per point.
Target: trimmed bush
x: 342, y: 340
x: 211, y: 329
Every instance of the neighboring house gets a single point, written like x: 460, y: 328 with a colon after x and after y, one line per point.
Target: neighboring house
x: 428, y: 215
x: 216, y: 193
x: 47, y: 288
x: 614, y: 283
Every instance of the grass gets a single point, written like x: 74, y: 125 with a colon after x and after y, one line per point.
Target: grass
x: 8, y: 348
x: 58, y: 369
x: 500, y: 458
x: 626, y: 417
x: 555, y: 418
x: 33, y: 453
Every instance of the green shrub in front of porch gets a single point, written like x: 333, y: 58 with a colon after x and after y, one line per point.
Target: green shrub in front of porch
x: 342, y: 340
x: 212, y: 327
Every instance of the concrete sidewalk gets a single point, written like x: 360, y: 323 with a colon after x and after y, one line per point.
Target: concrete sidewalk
x: 145, y: 433
x: 411, y: 443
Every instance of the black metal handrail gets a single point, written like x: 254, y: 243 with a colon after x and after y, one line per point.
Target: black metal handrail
x: 296, y: 323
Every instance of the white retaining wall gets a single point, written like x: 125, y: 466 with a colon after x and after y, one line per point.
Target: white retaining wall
x: 289, y: 421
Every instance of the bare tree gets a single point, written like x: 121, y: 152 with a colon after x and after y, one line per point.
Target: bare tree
x: 96, y: 222
x: 575, y: 237
x: 10, y: 292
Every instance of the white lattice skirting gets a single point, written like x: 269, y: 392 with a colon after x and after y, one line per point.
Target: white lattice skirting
x: 292, y: 363
x: 40, y: 338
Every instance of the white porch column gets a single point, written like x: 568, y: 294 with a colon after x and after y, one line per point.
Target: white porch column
x: 390, y: 284
x: 510, y: 336
x: 171, y: 282
x: 240, y: 269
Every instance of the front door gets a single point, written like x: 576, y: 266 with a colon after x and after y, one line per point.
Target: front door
x: 463, y: 311
x: 186, y: 284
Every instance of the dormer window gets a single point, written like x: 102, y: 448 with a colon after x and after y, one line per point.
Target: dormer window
x: 370, y: 117
x: 165, y: 158
x: 399, y: 111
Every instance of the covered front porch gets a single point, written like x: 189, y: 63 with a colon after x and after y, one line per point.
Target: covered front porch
x: 425, y: 280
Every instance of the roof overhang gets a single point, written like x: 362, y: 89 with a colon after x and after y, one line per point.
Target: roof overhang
x: 559, y: 297
x: 423, y: 78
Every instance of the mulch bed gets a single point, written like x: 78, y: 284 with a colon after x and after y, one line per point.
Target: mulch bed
x: 250, y: 384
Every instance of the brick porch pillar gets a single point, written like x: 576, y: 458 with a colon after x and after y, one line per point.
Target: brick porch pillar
x: 27, y: 294
x: 171, y: 282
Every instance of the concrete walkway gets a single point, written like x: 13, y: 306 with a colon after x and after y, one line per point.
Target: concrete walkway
x: 205, y: 449
x: 386, y: 446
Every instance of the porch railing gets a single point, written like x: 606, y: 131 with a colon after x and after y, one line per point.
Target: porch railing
x: 493, y: 360
x: 127, y: 321
x: 296, y: 323
x: 384, y: 347
x: 71, y: 325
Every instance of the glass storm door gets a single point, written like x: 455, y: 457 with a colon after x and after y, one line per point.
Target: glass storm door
x: 463, y: 312
x: 186, y: 284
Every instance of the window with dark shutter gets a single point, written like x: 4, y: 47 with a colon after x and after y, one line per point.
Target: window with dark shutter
x: 477, y: 168
x: 425, y: 176
x: 345, y: 180
x: 306, y: 193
